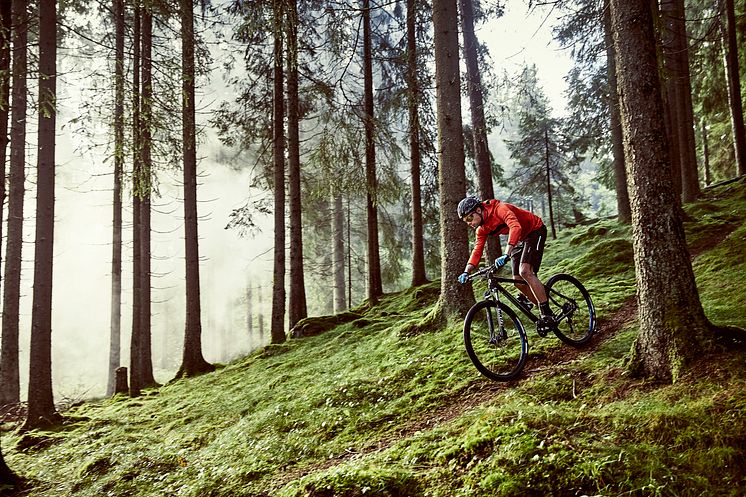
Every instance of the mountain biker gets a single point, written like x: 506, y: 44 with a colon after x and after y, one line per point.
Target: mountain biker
x: 526, y: 236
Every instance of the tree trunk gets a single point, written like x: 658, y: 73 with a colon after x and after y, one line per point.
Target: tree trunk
x: 338, y: 250
x: 413, y: 96
x: 116, y: 255
x: 41, y: 410
x: 7, y: 477
x: 297, y: 309
x: 706, y: 154
x: 260, y: 315
x: 9, y: 368
x: 5, y: 41
x: 455, y: 298
x: 673, y: 327
x: 549, y: 184
x: 193, y: 362
x: 734, y: 85
x: 375, y: 285
x: 278, y: 147
x: 679, y: 86
x: 146, y: 114
x: 478, y: 123
x: 249, y: 314
x: 624, y: 215
x: 135, y: 369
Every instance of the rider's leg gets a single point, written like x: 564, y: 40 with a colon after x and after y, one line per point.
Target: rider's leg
x: 534, y: 288
x: 521, y: 284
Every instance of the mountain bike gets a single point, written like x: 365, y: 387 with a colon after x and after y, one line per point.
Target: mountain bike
x: 495, y: 338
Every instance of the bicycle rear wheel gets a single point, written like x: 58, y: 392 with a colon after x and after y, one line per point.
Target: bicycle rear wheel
x: 573, y: 309
x: 495, y: 340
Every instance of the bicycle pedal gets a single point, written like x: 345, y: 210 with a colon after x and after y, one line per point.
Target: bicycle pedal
x: 525, y: 301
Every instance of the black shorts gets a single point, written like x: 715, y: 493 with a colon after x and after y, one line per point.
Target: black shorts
x: 529, y: 250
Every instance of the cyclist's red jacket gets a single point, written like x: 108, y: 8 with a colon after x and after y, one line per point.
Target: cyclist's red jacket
x: 500, y: 218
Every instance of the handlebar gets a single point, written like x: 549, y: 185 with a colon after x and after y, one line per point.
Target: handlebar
x: 485, y: 272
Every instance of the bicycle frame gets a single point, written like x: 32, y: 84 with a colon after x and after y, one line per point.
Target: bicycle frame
x: 495, y: 289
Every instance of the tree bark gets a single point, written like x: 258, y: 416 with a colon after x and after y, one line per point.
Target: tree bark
x: 338, y: 250
x: 278, y: 146
x: 135, y: 368
x: 624, y: 214
x: 478, y: 122
x: 706, y: 154
x: 413, y: 97
x: 41, y: 410
x: 116, y: 255
x: 146, y: 109
x: 5, y: 43
x: 734, y: 85
x: 297, y: 308
x: 9, y: 348
x: 193, y: 362
x: 547, y: 165
x: 375, y: 285
x: 673, y: 327
x: 679, y: 87
x: 455, y: 298
x: 7, y: 477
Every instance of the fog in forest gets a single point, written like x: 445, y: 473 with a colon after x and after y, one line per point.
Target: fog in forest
x: 81, y: 304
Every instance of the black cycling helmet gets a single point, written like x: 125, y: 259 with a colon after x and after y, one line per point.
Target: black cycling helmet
x: 467, y: 206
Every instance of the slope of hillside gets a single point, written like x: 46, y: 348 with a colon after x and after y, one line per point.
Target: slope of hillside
x: 381, y: 405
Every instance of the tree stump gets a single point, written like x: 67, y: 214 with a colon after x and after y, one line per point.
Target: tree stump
x: 120, y: 385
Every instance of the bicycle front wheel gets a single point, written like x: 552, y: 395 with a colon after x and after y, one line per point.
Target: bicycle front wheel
x: 495, y: 340
x: 573, y: 309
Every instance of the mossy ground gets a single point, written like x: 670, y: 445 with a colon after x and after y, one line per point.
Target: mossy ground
x: 369, y: 408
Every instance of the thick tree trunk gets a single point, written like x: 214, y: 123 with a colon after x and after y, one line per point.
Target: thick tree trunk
x: 193, y: 362
x: 455, y: 298
x: 375, y: 285
x: 278, y: 146
x: 9, y: 367
x: 624, y: 214
x: 734, y: 85
x: 413, y: 97
x: 673, y: 327
x: 41, y: 410
x: 478, y: 122
x: 338, y: 250
x: 135, y: 368
x: 679, y: 89
x: 146, y: 359
x: 116, y: 255
x: 297, y: 308
x: 5, y: 41
x: 7, y: 477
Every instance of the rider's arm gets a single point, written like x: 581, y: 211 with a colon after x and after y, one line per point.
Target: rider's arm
x: 469, y: 268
